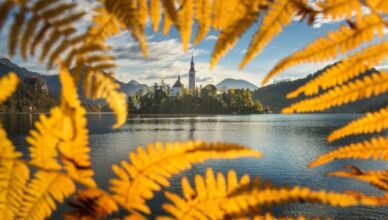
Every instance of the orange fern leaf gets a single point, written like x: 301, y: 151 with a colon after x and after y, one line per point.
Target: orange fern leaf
x: 368, y: 86
x: 370, y: 123
x: 42, y: 192
x: 280, y: 13
x: 205, y: 200
x: 150, y: 169
x: 155, y: 14
x: 376, y: 148
x: 203, y: 16
x: 8, y: 85
x: 185, y: 19
x: 339, y: 9
x: 325, y: 48
x: 378, y: 179
x: 347, y: 69
x: 248, y: 12
x: 166, y: 24
x: 378, y: 5
x: 5, y: 8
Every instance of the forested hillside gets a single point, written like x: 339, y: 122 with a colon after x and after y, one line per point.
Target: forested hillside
x: 274, y: 95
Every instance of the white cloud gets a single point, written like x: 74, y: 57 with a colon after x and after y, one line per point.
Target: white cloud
x: 211, y: 37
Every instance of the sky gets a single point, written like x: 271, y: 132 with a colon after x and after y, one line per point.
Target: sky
x: 167, y: 60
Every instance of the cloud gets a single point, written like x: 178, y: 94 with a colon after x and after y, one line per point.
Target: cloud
x: 211, y: 37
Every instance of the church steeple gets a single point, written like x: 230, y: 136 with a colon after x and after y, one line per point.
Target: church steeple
x: 192, y: 76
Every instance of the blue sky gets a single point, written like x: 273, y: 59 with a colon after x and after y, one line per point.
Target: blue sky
x: 167, y: 59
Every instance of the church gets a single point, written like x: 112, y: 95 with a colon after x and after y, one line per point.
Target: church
x: 178, y: 86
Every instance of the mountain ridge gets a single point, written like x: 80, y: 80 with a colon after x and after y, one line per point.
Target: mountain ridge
x: 231, y: 83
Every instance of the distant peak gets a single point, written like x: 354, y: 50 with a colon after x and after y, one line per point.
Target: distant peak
x: 133, y: 82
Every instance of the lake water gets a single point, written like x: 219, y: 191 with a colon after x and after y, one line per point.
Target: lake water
x: 289, y: 143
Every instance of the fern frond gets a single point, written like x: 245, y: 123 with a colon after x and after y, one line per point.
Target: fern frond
x: 185, y: 19
x: 155, y: 14
x: 205, y: 200
x: 166, y: 24
x: 340, y: 9
x: 378, y: 5
x: 280, y: 13
x: 91, y: 204
x: 369, y: 123
x: 45, y: 138
x: 368, y: 86
x: 5, y: 8
x: 224, y: 13
x: 202, y: 14
x: 347, y: 69
x: 13, y: 178
x: 338, y: 41
x: 41, y: 194
x: 248, y: 12
x: 378, y: 179
x: 143, y: 12
x: 8, y: 85
x: 73, y: 144
x: 106, y: 87
x: 7, y: 149
x: 15, y: 31
x: 150, y: 169
x: 243, y: 200
x: 375, y: 148
x: 127, y: 13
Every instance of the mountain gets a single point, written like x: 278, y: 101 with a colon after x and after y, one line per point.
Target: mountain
x: 236, y: 84
x: 274, y: 95
x: 53, y: 84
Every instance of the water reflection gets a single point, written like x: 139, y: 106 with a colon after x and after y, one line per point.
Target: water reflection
x: 289, y: 143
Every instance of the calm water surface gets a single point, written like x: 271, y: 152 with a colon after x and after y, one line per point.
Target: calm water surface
x: 289, y: 143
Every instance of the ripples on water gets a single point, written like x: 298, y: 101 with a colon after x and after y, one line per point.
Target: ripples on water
x: 289, y: 143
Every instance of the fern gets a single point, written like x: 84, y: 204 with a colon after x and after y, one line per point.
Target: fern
x: 353, y: 91
x: 376, y: 178
x: 325, y: 48
x: 205, y: 200
x: 203, y: 15
x: 370, y: 123
x: 8, y: 85
x: 375, y: 148
x: 249, y: 12
x: 280, y: 14
x: 155, y: 14
x: 347, y: 69
x: 149, y: 170
x: 42, y: 193
x: 339, y: 9
x: 220, y: 198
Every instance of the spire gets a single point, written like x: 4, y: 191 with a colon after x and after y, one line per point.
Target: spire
x: 179, y: 77
x: 192, y: 60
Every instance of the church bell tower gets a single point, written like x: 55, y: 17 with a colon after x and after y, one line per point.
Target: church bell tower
x: 192, y: 77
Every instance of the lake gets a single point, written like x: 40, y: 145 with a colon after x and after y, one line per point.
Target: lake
x: 289, y: 143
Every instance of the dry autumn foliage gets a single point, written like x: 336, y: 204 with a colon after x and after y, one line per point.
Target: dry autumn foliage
x: 59, y: 164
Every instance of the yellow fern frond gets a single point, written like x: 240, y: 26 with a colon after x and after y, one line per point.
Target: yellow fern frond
x: 45, y: 138
x: 185, y: 19
x: 7, y: 149
x: 338, y: 41
x: 41, y: 194
x: 339, y: 9
x: 205, y: 200
x: 150, y: 169
x: 8, y: 85
x: 155, y: 14
x: 375, y: 148
x: 280, y: 13
x: 243, y: 200
x: 127, y: 13
x: 224, y: 13
x: 370, y: 123
x: 166, y: 24
x: 347, y: 69
x: 91, y: 204
x: 5, y: 8
x: 368, y: 86
x: 73, y: 144
x: 143, y: 12
x: 106, y: 87
x: 378, y: 179
x: 13, y: 178
x: 378, y: 5
x: 248, y: 12
x: 169, y: 7
x: 203, y: 15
